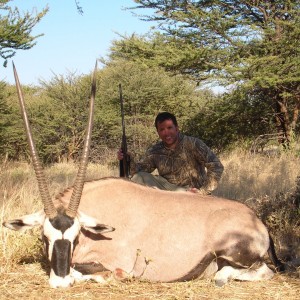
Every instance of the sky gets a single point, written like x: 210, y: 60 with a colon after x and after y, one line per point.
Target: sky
x: 71, y: 42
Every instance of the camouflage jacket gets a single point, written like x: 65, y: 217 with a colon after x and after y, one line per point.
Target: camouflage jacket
x: 190, y: 164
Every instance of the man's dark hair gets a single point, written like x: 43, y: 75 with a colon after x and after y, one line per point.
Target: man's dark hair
x: 163, y: 116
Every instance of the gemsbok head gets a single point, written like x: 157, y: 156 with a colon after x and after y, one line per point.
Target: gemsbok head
x: 61, y: 226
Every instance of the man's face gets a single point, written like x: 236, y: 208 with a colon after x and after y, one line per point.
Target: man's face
x: 168, y: 133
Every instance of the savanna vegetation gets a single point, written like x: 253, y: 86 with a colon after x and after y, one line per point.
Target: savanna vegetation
x: 255, y: 180
x: 16, y: 29
x: 250, y: 47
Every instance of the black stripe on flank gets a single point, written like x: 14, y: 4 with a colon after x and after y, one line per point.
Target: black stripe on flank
x: 198, y: 269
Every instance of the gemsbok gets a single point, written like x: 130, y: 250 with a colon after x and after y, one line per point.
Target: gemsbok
x: 151, y: 234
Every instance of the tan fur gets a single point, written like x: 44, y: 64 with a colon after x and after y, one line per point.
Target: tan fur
x: 161, y: 235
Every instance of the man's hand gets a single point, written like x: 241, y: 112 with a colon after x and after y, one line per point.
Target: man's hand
x: 120, y: 154
x: 193, y: 190
x: 199, y: 191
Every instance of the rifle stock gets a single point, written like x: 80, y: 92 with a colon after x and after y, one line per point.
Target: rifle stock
x: 124, y: 166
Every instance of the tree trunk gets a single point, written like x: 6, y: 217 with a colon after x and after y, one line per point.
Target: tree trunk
x: 283, y: 124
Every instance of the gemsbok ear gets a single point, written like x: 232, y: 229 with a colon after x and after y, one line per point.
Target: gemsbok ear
x: 26, y: 222
x: 92, y: 224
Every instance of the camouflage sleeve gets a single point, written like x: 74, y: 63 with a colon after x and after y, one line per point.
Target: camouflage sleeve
x: 146, y: 164
x: 212, y: 164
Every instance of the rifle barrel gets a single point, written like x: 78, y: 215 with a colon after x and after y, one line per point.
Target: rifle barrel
x: 125, y: 162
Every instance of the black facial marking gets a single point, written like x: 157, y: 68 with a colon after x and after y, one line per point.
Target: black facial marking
x: 46, y: 244
x: 61, y: 258
x: 101, y: 227
x: 62, y: 222
x: 18, y: 222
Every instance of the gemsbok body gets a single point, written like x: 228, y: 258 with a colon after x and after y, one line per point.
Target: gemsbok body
x: 130, y: 230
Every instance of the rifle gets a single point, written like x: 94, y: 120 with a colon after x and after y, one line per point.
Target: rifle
x: 125, y: 162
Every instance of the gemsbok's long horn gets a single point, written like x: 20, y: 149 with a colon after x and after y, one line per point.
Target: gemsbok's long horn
x: 49, y: 207
x: 80, y: 178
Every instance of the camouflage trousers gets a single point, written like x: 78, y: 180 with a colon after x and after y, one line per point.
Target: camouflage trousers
x: 157, y: 181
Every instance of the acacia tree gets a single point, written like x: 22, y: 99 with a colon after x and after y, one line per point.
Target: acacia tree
x: 4, y: 113
x: 251, y: 43
x: 13, y: 144
x: 15, y: 30
x: 62, y: 116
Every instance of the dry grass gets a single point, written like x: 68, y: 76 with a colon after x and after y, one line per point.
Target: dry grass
x: 29, y: 281
x: 249, y: 176
x: 22, y: 266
